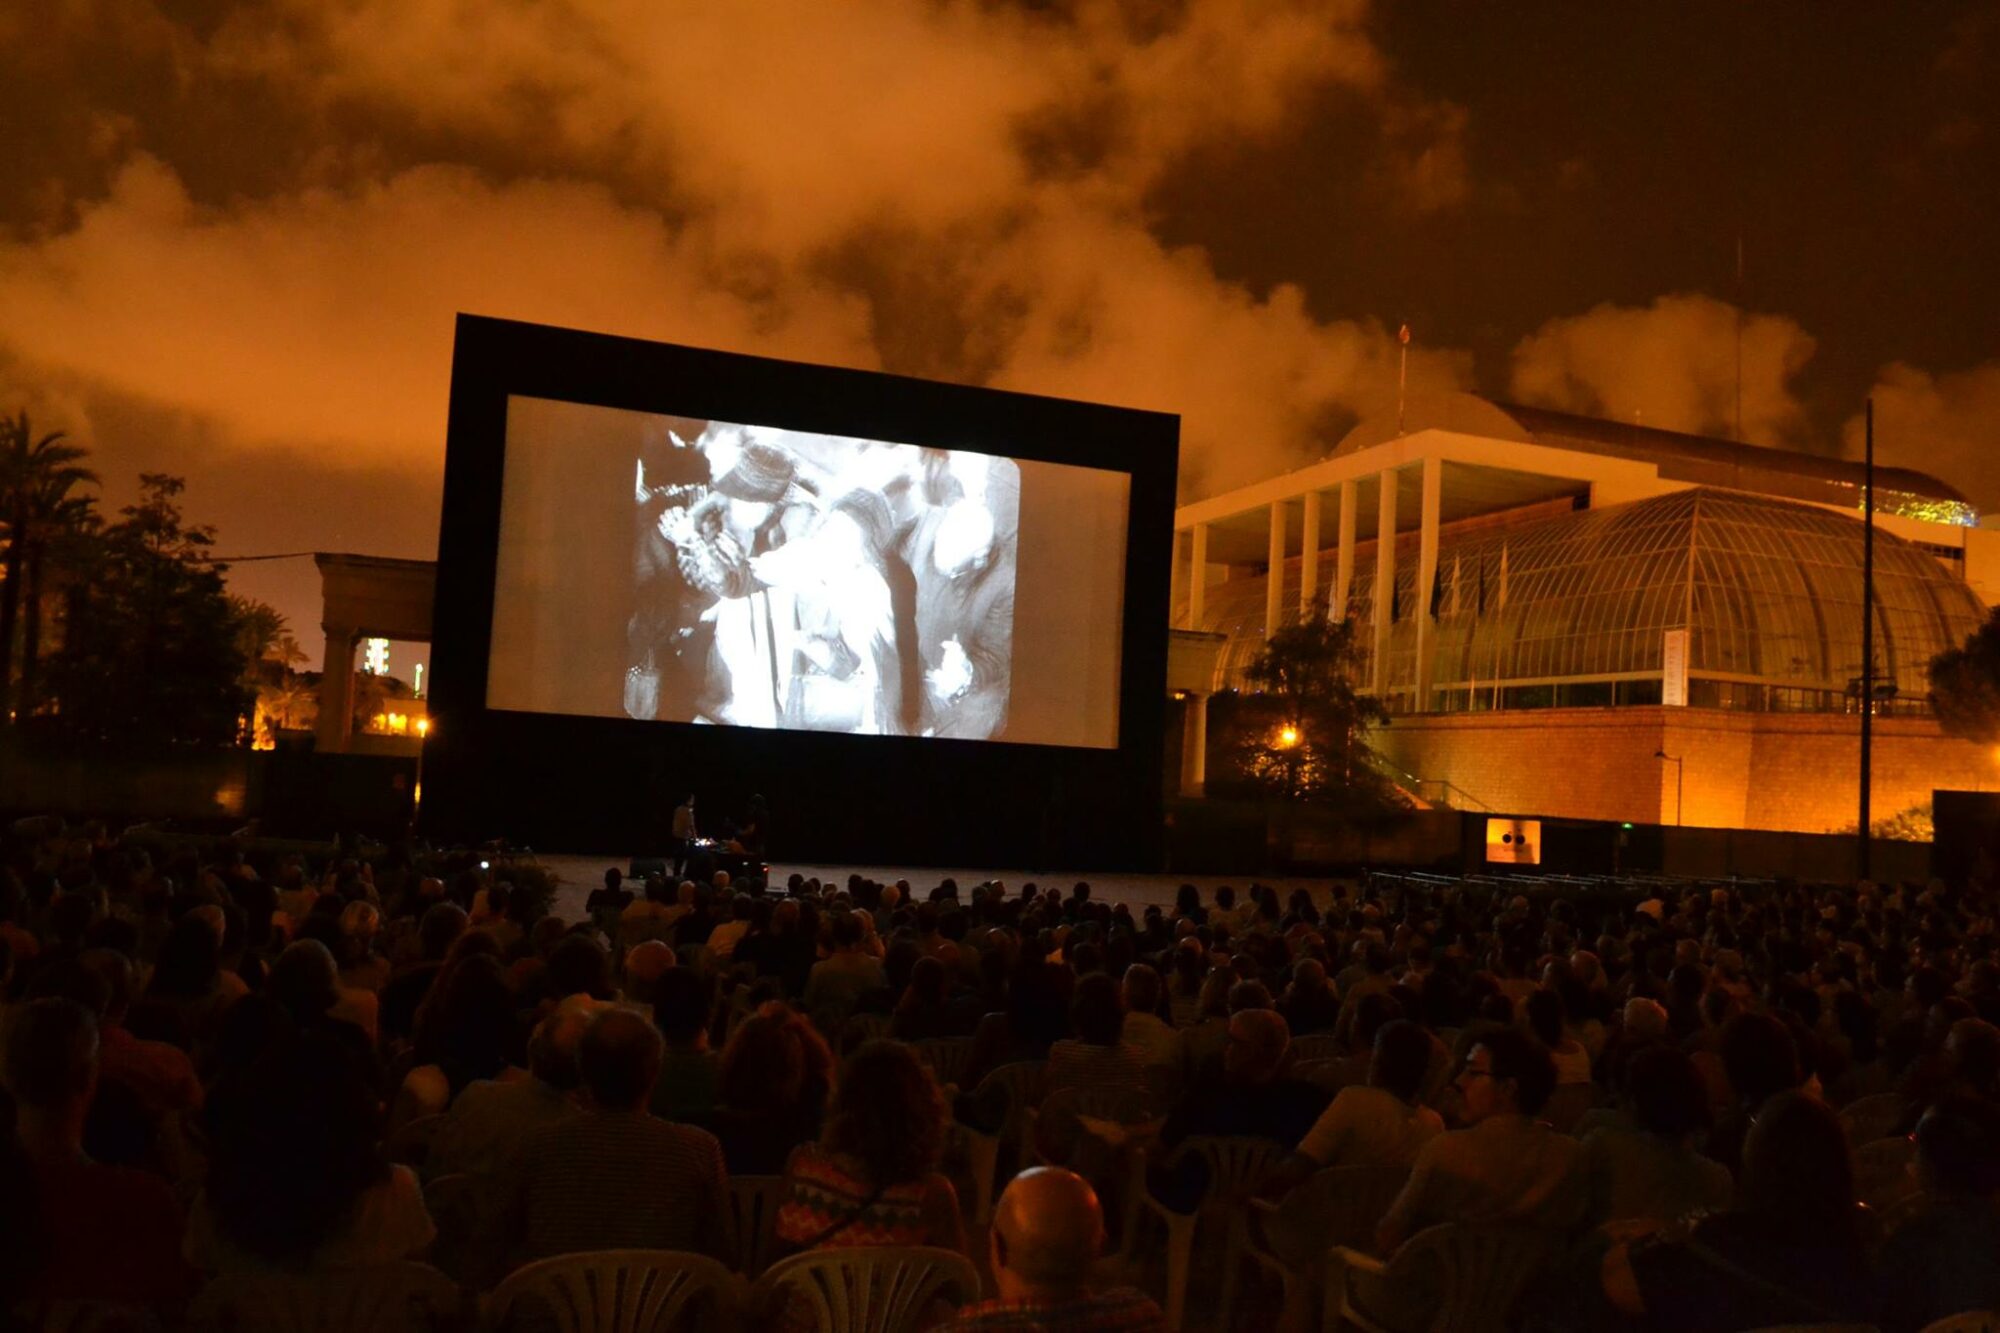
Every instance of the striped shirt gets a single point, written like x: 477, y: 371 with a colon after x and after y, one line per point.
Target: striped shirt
x: 621, y: 1180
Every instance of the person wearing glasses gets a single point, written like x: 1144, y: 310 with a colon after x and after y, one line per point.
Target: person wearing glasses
x: 1504, y: 1166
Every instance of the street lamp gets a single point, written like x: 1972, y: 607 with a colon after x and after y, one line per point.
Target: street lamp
x: 1288, y: 736
x: 1679, y: 771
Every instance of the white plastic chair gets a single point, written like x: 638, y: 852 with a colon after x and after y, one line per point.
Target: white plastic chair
x: 1341, y: 1205
x: 385, y: 1298
x: 83, y: 1317
x: 946, y: 1058
x: 469, y: 1246
x: 1470, y: 1276
x: 1882, y: 1175
x: 754, y: 1202
x: 1972, y: 1321
x: 1319, y: 1046
x: 1236, y: 1167
x: 1012, y: 1084
x: 618, y: 1291
x: 1873, y: 1118
x: 868, y: 1288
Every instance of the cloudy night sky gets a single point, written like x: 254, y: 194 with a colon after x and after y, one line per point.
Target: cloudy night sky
x: 234, y: 233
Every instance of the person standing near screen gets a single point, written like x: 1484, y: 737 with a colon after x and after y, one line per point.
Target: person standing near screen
x: 684, y: 834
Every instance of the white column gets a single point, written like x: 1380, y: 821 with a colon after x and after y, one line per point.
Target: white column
x: 1274, y: 586
x: 1197, y: 575
x: 1385, y: 580
x: 1427, y: 562
x: 1309, y: 555
x: 1343, y: 560
x: 1194, y: 745
x: 1177, y: 584
x: 336, y: 691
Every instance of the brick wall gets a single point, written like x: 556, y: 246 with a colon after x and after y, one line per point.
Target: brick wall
x: 1793, y: 772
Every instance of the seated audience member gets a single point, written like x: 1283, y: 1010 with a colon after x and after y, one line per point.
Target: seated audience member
x: 837, y: 983
x: 1251, y: 1098
x: 161, y: 1075
x: 1505, y: 1166
x: 618, y: 1177
x: 1788, y: 1251
x: 777, y: 1074
x: 1546, y: 1019
x: 872, y: 1177
x: 1652, y: 1170
x: 644, y: 966
x: 1096, y: 1056
x: 1379, y: 1124
x: 1047, y: 1233
x: 185, y: 997
x: 1941, y: 1261
x: 1309, y: 1003
x: 490, y: 1122
x: 689, y: 1071
x: 1762, y: 1060
x: 296, y: 1177
x: 1145, y: 1031
x: 71, y: 1228
x: 467, y: 1026
x: 730, y: 930
x: 440, y: 927
x: 921, y: 1012
x: 306, y: 982
x: 607, y: 903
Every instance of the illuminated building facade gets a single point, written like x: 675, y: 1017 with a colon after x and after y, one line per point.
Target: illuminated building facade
x: 1563, y: 593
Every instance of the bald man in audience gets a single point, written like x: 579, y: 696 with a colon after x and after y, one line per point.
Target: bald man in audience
x: 490, y: 1122
x: 645, y: 964
x: 1047, y: 1233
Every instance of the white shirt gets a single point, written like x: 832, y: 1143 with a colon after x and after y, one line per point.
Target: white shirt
x: 1367, y: 1126
x: 1158, y: 1044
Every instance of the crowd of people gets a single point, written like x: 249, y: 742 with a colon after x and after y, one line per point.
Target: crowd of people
x: 223, y: 1061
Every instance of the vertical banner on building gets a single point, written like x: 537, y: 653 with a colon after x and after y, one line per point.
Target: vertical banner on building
x: 1674, y: 668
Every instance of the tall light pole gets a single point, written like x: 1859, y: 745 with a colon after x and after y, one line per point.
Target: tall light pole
x: 1680, y: 770
x: 1867, y: 632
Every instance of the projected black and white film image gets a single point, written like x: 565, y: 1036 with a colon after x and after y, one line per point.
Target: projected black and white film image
x: 820, y: 582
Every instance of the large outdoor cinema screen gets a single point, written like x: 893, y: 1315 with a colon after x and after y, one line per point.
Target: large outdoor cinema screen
x: 740, y: 573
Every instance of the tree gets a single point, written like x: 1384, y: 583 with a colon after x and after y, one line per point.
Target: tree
x: 1302, y: 733
x: 151, y: 654
x: 1965, y: 684
x: 37, y: 476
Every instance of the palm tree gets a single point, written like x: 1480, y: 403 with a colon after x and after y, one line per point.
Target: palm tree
x: 36, y: 475
x: 64, y: 528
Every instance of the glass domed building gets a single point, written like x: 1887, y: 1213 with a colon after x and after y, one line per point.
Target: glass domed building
x: 1622, y: 593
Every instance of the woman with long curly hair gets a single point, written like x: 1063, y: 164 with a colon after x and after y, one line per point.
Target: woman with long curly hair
x: 296, y: 1178
x: 872, y: 1178
x: 776, y: 1076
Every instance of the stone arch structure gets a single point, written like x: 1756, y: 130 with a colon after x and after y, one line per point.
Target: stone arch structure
x: 365, y: 596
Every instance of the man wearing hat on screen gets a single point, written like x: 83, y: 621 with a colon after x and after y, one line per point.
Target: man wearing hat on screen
x: 747, y: 513
x: 671, y: 477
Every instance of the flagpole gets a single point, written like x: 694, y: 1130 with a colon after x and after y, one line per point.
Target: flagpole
x: 1867, y: 628
x: 1402, y: 376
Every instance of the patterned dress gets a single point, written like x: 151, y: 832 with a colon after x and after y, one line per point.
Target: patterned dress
x: 829, y: 1191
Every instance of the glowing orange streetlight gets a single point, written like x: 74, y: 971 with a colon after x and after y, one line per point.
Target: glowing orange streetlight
x: 1288, y: 736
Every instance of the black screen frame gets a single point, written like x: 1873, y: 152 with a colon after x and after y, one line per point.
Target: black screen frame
x: 606, y: 785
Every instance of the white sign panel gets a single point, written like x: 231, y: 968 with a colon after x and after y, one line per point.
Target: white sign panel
x: 1674, y: 668
x: 1514, y: 842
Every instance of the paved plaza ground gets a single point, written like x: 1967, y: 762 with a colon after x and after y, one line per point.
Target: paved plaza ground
x: 578, y: 875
